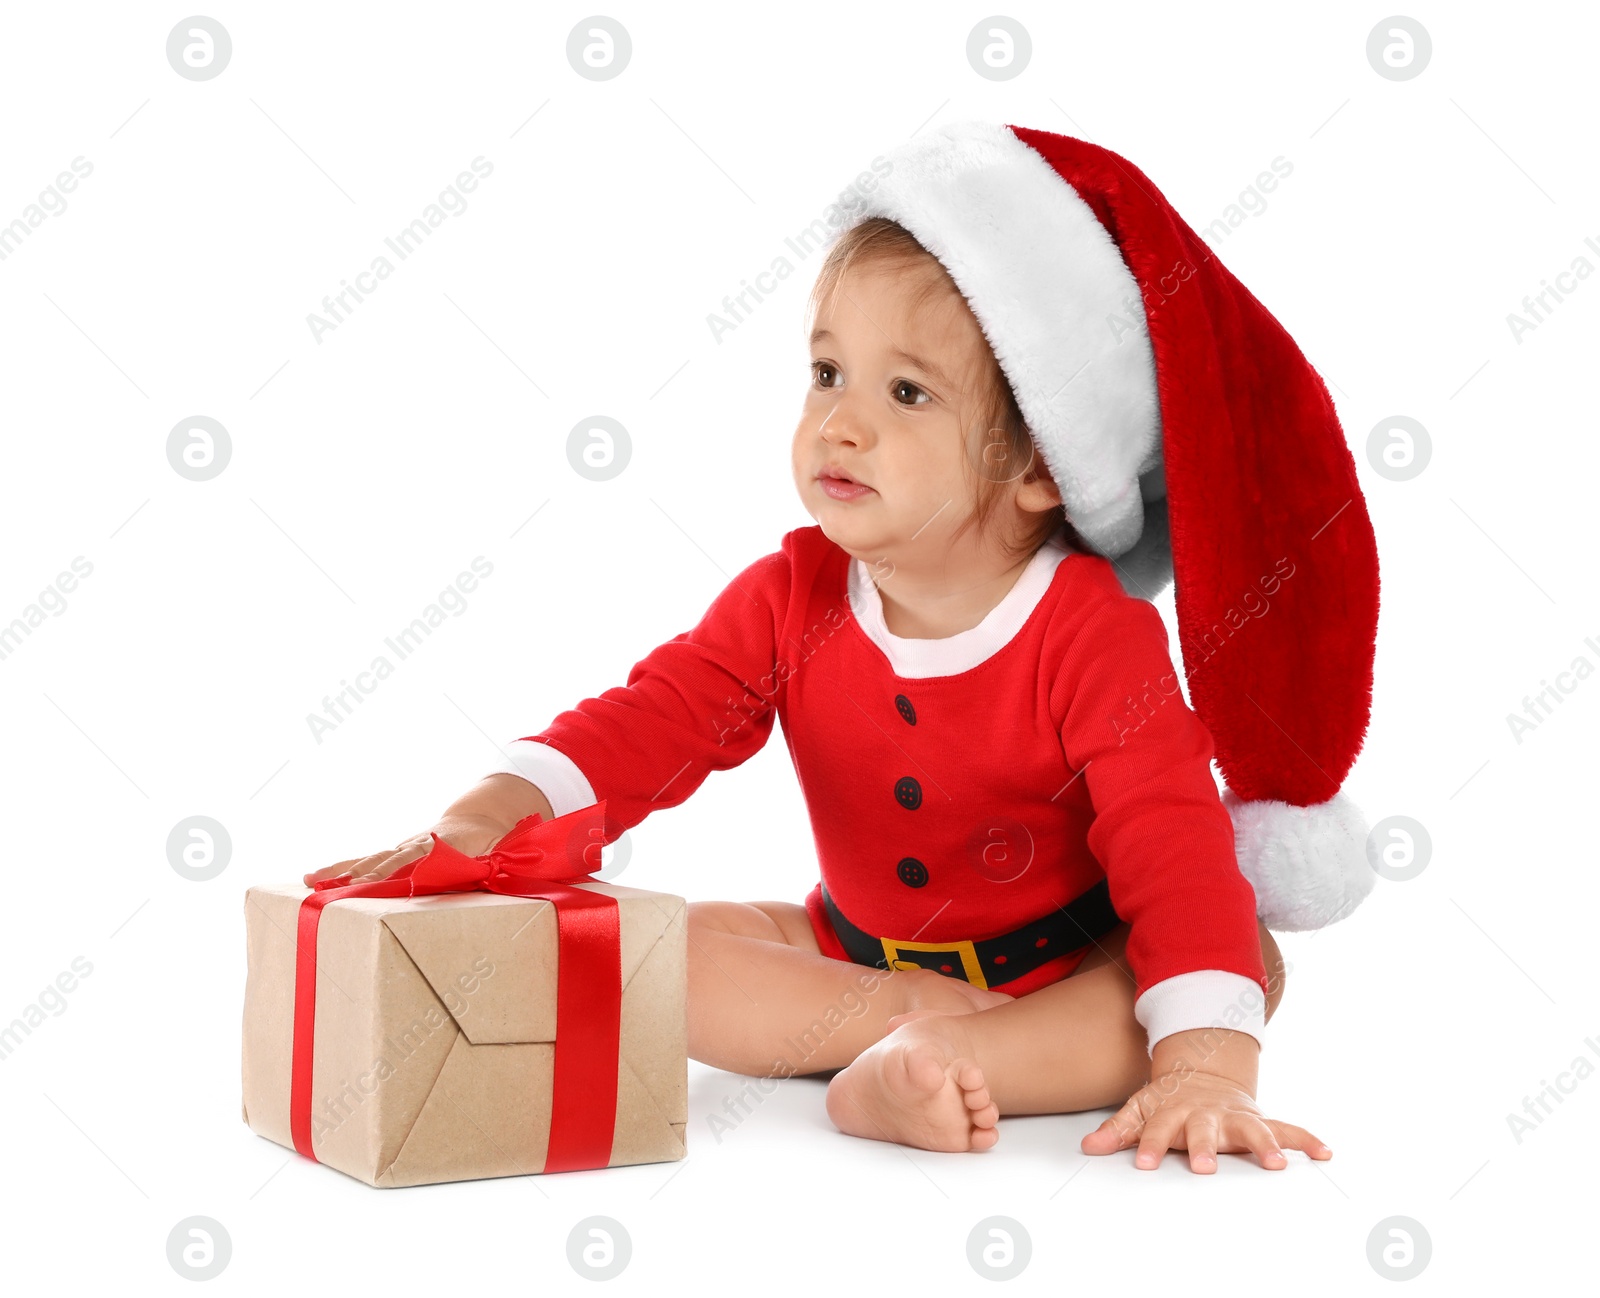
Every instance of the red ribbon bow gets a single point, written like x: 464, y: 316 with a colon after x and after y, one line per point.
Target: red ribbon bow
x: 538, y: 858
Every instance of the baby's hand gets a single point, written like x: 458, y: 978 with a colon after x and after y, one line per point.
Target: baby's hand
x: 469, y: 835
x: 1204, y: 1113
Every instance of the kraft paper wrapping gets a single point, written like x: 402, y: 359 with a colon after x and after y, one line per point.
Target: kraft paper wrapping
x: 436, y: 1032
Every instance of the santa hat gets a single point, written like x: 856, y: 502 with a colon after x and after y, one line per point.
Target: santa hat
x: 1191, y: 442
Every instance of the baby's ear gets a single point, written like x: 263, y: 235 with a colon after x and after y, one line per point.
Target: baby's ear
x: 1039, y: 478
x: 1037, y: 491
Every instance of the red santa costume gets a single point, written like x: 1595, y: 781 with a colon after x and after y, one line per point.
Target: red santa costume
x: 988, y: 804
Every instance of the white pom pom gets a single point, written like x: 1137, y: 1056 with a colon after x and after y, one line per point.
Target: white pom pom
x: 1308, y: 865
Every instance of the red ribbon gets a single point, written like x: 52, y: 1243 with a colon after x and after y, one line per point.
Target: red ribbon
x: 538, y: 858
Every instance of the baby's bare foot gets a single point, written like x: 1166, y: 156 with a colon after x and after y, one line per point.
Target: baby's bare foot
x: 918, y: 1086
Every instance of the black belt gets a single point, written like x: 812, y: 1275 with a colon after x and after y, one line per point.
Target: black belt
x: 992, y: 961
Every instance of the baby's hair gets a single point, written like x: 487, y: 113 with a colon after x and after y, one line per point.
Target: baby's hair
x: 887, y: 244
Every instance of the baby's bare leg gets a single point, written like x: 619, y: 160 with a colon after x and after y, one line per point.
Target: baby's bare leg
x: 941, y: 1081
x: 765, y: 1001
x: 1075, y: 1044
x: 1071, y: 1046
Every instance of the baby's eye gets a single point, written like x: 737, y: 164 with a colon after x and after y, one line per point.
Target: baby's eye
x: 817, y: 367
x: 905, y: 383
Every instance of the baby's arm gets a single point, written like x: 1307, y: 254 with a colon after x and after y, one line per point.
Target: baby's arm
x: 1194, y: 943
x: 1160, y: 828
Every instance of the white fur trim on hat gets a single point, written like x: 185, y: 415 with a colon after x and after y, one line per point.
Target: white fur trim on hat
x: 1056, y: 301
x: 1308, y: 865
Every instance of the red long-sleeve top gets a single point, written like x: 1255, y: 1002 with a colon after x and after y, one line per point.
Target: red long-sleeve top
x: 1055, y: 729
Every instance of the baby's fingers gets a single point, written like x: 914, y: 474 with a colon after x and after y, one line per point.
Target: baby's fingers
x: 331, y: 871
x: 1121, y: 1129
x: 1293, y: 1137
x: 380, y: 865
x: 1251, y: 1132
x: 1201, y: 1137
x: 1160, y: 1134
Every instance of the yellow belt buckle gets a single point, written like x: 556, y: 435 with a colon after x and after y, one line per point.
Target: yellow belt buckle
x: 964, y: 948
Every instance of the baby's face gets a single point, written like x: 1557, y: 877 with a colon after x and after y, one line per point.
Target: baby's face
x: 894, y: 403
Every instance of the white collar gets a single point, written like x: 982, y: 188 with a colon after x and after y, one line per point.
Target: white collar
x: 913, y: 658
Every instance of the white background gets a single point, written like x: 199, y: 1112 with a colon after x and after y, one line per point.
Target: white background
x: 369, y: 469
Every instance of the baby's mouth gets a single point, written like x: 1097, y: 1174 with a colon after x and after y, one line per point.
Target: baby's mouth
x: 836, y: 486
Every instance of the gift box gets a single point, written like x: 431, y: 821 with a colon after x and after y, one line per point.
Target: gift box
x: 470, y: 1016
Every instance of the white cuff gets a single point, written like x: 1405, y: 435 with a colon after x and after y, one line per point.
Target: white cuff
x: 1206, y: 998
x: 554, y: 773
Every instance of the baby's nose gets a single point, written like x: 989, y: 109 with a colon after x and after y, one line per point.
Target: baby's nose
x: 836, y: 427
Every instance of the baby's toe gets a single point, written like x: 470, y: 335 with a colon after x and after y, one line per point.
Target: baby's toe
x: 969, y: 1077
x: 981, y: 1108
x: 924, y: 1069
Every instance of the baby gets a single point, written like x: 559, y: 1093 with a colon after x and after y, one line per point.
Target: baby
x: 954, y: 672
